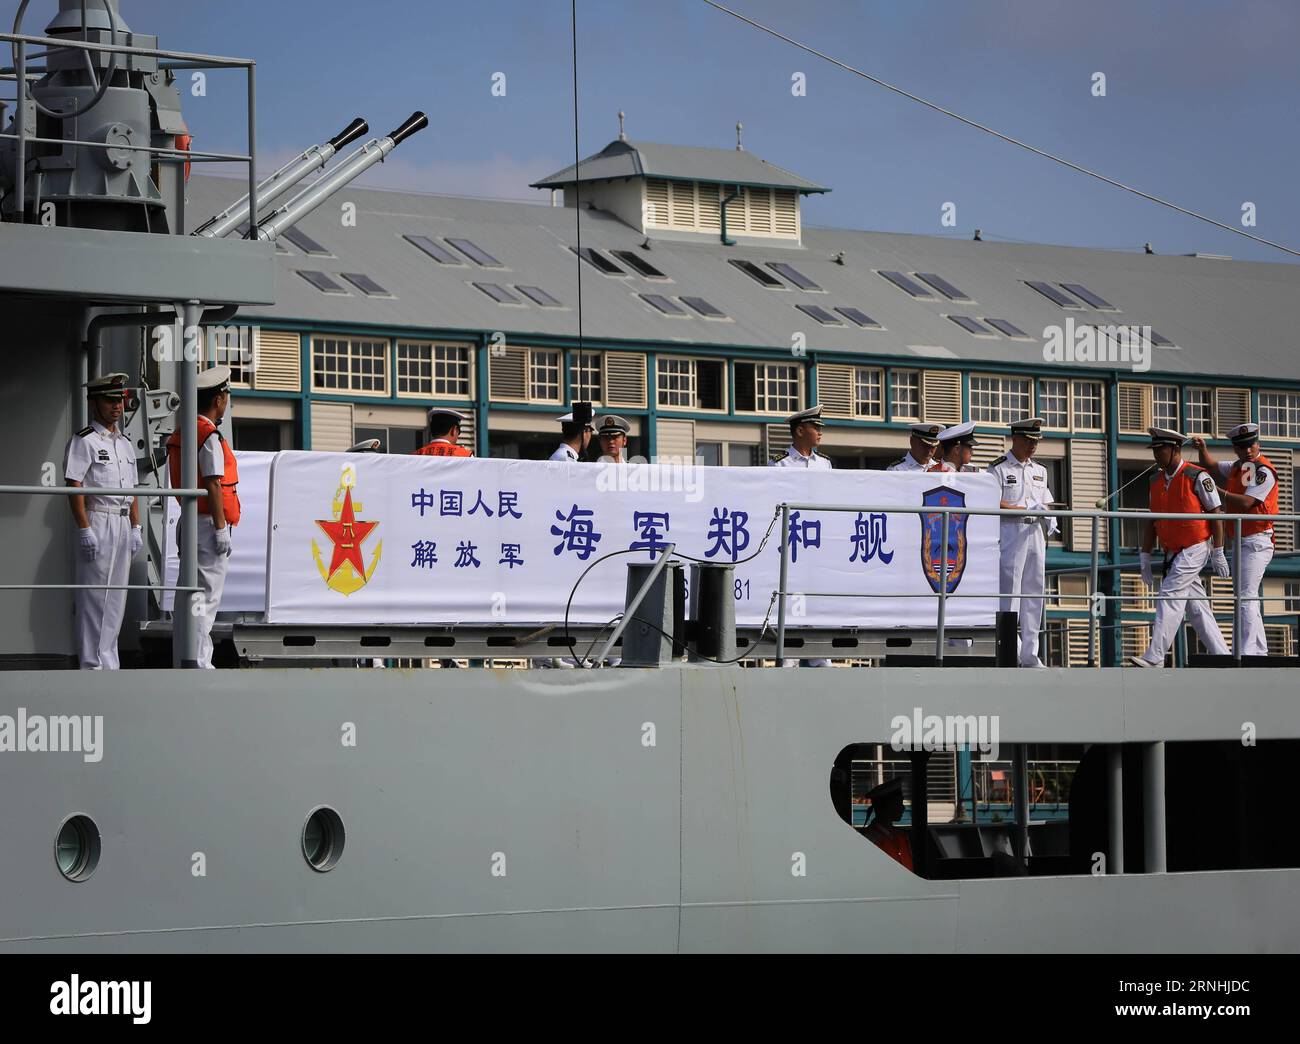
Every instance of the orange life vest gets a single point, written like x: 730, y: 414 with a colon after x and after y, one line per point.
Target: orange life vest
x: 230, y: 469
x: 1267, y: 506
x: 443, y: 449
x: 1179, y: 498
x: 898, y: 845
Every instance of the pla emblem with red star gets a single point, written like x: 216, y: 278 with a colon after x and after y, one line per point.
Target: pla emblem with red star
x: 347, y: 572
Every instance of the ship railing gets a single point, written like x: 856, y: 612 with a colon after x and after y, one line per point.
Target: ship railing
x: 167, y: 60
x: 1097, y: 599
x: 95, y: 491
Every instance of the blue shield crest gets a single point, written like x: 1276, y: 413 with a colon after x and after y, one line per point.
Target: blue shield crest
x: 932, y: 549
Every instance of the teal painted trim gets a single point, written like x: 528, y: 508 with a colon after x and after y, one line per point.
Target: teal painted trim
x: 481, y: 395
x: 304, y: 383
x: 1111, y: 651
x: 652, y: 405
x: 731, y: 387
x: 864, y: 357
x: 1254, y: 405
x: 965, y: 396
x: 810, y: 398
x: 723, y: 211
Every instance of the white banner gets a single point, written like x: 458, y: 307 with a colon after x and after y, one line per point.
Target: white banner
x: 245, y: 590
x: 374, y: 539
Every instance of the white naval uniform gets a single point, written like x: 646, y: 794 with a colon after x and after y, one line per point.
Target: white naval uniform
x: 1024, y: 547
x: 212, y: 564
x: 564, y: 452
x: 1256, y: 554
x: 794, y: 459
x: 814, y: 462
x: 1182, y: 583
x: 96, y: 457
x: 908, y: 463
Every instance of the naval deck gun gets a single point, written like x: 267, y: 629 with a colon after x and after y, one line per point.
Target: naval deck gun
x: 96, y: 248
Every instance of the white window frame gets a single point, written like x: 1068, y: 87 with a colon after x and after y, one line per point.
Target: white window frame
x: 762, y: 377
x: 1166, y: 422
x: 1290, y: 407
x: 692, y: 384
x: 317, y: 340
x: 241, y: 357
x: 533, y: 364
x: 879, y: 376
x: 912, y: 375
x: 1006, y: 414
x: 434, y: 348
x: 578, y: 361
x: 1075, y: 424
x: 1067, y: 397
x: 1185, y: 405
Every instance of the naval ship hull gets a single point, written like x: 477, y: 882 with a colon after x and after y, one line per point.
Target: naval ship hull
x: 516, y: 810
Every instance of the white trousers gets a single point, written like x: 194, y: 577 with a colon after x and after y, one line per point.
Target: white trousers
x: 1256, y: 553
x: 1022, y: 566
x: 212, y: 579
x: 1182, y: 586
x: 99, y: 613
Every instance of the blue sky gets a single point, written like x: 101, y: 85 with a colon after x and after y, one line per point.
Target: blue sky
x: 1200, y: 104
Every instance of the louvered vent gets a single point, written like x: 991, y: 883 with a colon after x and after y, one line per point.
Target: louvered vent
x: 988, y: 449
x: 835, y: 390
x: 469, y: 430
x: 625, y: 379
x: 941, y: 397
x: 1135, y: 638
x: 1135, y: 596
x: 1087, y: 485
x: 787, y: 213
x: 760, y: 209
x: 1280, y: 638
x: 1134, y: 408
x: 1220, y: 591
x: 710, y: 209
x: 681, y: 207
x: 278, y: 361
x: 776, y: 440
x: 331, y: 426
x: 1284, y: 532
x: 656, y: 202
x: 508, y: 373
x: 1076, y: 643
x: 1073, y: 591
x: 1231, y: 407
x: 675, y: 442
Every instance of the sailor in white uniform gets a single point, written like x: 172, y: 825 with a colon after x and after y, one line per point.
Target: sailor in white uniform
x: 1023, y: 482
x: 612, y: 433
x: 575, y: 433
x: 1249, y: 486
x: 805, y: 437
x: 108, y: 527
x: 956, y: 445
x: 924, y: 439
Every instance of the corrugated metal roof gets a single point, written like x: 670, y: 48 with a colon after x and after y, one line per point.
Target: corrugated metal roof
x: 634, y: 159
x: 1229, y: 318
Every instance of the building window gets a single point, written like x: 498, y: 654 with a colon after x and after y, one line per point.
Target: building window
x: 1200, y: 411
x: 999, y: 400
x: 544, y: 376
x: 905, y: 395
x: 440, y: 371
x: 1087, y: 406
x: 1054, y: 403
x: 344, y: 364
x: 584, y: 377
x: 868, y: 393
x: 233, y: 346
x: 1292, y: 597
x: 1279, y: 415
x: 691, y: 384
x: 1164, y: 406
x: 769, y: 388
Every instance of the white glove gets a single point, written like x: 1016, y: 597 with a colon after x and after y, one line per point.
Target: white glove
x: 1148, y: 577
x: 1219, y: 563
x: 223, y: 540
x: 137, y: 540
x: 89, y: 545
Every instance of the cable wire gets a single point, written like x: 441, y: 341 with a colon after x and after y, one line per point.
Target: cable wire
x: 998, y: 134
x: 577, y: 193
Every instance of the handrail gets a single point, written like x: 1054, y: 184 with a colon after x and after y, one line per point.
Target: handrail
x: 97, y: 491
x: 1097, y: 600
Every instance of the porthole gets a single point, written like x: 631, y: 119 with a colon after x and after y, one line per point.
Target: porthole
x: 76, y: 848
x: 322, y: 839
